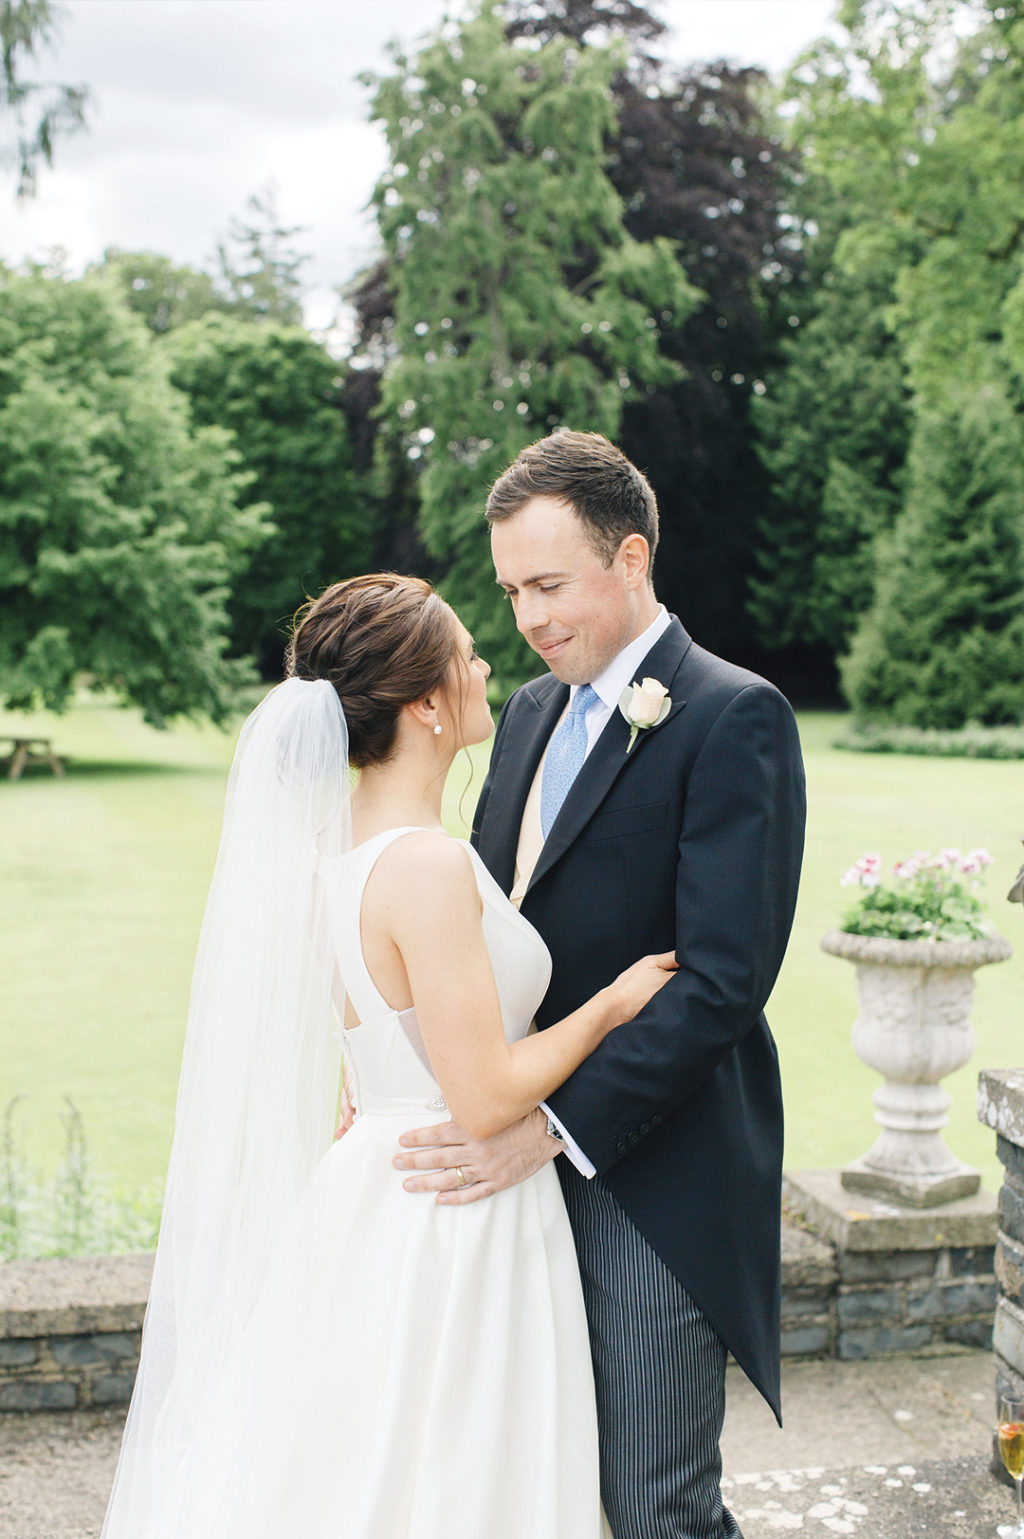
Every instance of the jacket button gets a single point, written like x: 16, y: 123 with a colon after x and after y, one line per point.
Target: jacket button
x: 634, y: 1138
x: 656, y: 1120
x: 621, y: 1148
x: 645, y: 1128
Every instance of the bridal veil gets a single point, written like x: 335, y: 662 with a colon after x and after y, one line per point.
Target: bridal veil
x: 259, y: 1079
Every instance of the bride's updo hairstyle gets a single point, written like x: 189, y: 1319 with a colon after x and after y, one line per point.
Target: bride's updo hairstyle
x: 383, y: 641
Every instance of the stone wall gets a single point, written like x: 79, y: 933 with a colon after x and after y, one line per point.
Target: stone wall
x: 70, y: 1329
x: 810, y: 1276
x: 906, y: 1279
x: 1001, y: 1107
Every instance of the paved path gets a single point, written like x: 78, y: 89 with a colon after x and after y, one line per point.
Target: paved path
x: 877, y: 1450
x: 895, y: 1449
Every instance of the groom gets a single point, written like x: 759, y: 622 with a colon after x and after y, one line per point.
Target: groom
x: 627, y: 823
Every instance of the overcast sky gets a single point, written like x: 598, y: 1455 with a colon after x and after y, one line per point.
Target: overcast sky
x: 199, y: 103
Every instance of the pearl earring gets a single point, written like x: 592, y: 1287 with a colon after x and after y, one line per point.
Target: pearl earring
x: 437, y: 729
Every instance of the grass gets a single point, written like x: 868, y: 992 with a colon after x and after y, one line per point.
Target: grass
x: 894, y: 804
x: 103, y: 877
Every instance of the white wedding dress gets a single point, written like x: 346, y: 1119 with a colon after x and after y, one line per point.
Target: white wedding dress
x: 410, y: 1371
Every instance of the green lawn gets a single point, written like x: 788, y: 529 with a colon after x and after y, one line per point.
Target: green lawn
x: 103, y: 877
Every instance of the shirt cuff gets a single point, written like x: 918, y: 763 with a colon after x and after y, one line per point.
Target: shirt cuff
x: 585, y: 1166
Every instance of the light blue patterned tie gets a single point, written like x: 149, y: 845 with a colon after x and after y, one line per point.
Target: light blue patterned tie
x: 566, y: 753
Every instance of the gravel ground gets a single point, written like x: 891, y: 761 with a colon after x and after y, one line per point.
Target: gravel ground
x: 895, y: 1449
x: 56, y: 1469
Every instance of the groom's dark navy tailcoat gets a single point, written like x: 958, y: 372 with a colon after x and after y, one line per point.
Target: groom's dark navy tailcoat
x: 689, y: 842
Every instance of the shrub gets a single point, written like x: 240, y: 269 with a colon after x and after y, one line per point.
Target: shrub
x: 74, y: 1214
x: 971, y: 742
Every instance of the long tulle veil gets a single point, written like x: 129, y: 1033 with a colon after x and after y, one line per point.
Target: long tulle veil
x: 259, y: 1080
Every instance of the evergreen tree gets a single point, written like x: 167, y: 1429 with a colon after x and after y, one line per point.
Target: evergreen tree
x: 258, y: 268
x: 943, y: 643
x: 520, y: 301
x: 833, y: 427
x: 694, y: 160
x: 834, y: 421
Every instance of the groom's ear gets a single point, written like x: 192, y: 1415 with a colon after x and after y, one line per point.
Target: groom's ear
x: 635, y: 555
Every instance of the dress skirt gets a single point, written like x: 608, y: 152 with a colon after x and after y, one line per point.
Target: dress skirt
x: 410, y: 1371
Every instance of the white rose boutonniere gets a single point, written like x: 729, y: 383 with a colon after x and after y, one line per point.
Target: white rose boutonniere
x: 644, y: 705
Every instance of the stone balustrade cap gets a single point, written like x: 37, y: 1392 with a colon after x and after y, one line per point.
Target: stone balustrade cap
x: 856, y: 1222
x: 68, y: 1295
x: 919, y: 953
x: 1001, y: 1102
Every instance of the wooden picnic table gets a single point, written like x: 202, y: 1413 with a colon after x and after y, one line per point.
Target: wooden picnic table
x: 29, y: 750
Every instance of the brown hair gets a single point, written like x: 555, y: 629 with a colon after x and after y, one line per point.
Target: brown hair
x: 383, y: 641
x: 606, y: 491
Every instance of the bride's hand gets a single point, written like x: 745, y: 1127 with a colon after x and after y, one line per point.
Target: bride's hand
x: 633, y: 988
x: 346, y: 1106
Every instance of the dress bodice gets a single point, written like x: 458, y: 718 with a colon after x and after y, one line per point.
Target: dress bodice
x: 385, y: 1053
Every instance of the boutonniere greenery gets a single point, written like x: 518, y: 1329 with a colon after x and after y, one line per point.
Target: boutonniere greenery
x: 644, y: 705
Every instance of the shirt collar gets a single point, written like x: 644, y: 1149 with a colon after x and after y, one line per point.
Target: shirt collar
x: 621, y: 670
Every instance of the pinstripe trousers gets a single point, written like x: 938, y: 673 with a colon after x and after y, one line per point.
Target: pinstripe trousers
x: 659, y: 1370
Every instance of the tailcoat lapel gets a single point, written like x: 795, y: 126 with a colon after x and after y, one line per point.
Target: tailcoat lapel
x: 608, y: 757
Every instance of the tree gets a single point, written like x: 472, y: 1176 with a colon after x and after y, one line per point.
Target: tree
x: 695, y: 160
x: 833, y: 427
x: 166, y: 294
x: 255, y: 278
x: 258, y: 268
x: 838, y: 415
x: 279, y: 393
x: 943, y: 643
x: 965, y: 201
x: 120, y: 529
x: 520, y: 302
x: 40, y: 111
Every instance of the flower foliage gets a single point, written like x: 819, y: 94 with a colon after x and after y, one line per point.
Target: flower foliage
x: 925, y: 897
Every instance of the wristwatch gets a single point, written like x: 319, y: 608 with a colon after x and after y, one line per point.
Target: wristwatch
x: 555, y: 1132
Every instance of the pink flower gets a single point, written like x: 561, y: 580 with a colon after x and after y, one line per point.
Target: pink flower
x: 945, y: 859
x: 974, y: 861
x: 866, y: 872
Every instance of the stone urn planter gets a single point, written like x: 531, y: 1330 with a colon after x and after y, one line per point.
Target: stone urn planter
x: 914, y: 1028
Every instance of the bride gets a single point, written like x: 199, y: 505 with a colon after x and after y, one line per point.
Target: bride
x: 326, y: 1355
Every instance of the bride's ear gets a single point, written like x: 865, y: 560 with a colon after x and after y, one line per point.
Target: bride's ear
x: 424, y: 712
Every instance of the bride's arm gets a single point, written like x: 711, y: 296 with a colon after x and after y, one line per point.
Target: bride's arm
x: 427, y: 903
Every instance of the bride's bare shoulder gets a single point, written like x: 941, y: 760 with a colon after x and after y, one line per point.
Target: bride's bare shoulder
x: 426, y: 867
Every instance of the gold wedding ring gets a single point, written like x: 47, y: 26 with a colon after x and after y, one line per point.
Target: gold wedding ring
x: 461, y: 1176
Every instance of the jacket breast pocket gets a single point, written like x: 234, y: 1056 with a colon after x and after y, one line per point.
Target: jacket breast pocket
x: 627, y: 822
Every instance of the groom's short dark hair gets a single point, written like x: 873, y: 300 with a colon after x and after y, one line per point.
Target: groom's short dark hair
x: 609, y: 495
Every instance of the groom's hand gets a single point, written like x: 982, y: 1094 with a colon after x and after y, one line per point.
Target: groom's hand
x: 437, y: 1154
